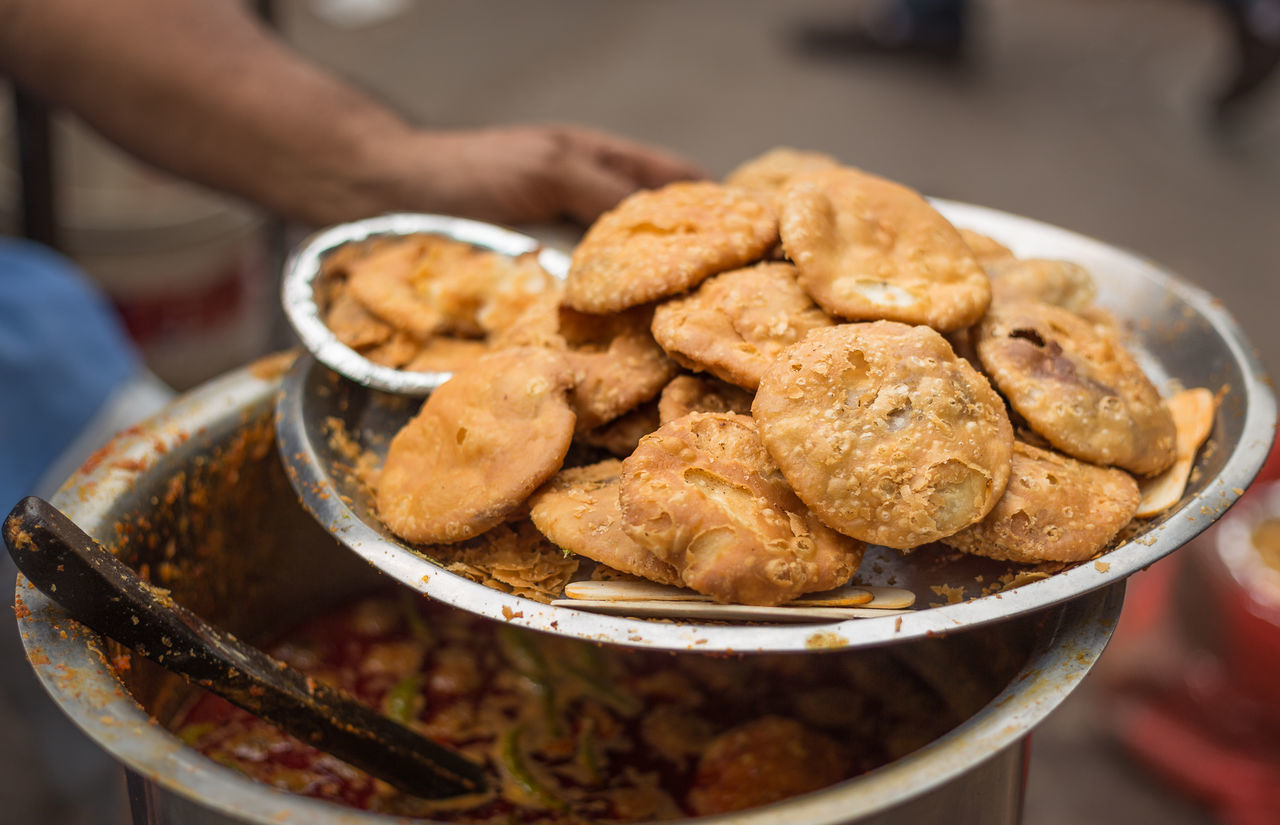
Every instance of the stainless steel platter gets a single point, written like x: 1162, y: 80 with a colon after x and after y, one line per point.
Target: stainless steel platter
x: 1181, y: 335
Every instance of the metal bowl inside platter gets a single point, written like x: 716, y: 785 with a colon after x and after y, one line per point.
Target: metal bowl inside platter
x: 199, y: 498
x: 298, y: 288
x: 1180, y: 334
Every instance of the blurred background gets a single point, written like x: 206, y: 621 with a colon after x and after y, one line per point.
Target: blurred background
x: 1096, y: 115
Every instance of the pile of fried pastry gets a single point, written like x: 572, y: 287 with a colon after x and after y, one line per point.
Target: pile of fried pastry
x: 785, y: 366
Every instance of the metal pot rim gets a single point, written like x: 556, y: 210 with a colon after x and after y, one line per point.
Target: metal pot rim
x: 71, y: 664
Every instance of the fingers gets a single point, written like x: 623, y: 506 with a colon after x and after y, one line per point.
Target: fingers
x: 647, y: 166
x: 590, y: 188
x: 599, y: 170
x: 527, y: 174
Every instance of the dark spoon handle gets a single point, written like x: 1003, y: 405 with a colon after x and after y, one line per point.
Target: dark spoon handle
x: 103, y: 593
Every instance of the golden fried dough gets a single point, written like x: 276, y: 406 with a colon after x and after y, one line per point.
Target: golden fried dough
x: 1193, y: 412
x: 335, y: 266
x: 621, y: 435
x: 383, y: 283
x: 336, y: 263
x: 1054, y: 509
x: 578, y: 510
x: 1076, y: 385
x: 444, y: 354
x: 769, y: 173
x: 1060, y: 283
x: 961, y: 341
x: 735, y: 324
x: 616, y: 363
x: 482, y: 442
x: 885, y: 433
x: 662, y: 242
x: 480, y: 292
x: 399, y: 349
x: 535, y: 324
x: 699, y: 393
x: 513, y: 557
x: 702, y: 494
x: 354, y: 325
x: 763, y: 761
x: 870, y: 249
x: 986, y: 250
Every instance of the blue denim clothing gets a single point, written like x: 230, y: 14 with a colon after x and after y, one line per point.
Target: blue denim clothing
x: 62, y: 352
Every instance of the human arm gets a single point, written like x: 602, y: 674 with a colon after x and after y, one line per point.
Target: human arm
x: 198, y: 88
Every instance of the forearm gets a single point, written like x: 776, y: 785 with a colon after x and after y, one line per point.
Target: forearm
x: 198, y: 88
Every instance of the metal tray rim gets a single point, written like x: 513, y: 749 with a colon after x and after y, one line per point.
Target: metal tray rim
x: 1192, y: 517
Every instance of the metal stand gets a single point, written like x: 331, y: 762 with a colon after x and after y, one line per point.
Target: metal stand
x: 37, y: 209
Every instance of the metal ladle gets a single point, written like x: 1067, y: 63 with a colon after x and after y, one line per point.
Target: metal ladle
x: 104, y: 594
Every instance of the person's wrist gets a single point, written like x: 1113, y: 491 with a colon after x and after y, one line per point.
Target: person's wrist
x: 413, y: 170
x: 381, y: 173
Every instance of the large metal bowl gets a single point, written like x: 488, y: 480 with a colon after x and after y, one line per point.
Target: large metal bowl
x: 198, y: 498
x: 1180, y: 334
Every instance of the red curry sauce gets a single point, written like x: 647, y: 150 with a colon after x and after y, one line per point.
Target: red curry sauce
x: 579, y: 732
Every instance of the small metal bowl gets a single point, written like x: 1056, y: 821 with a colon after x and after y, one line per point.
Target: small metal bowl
x: 302, y: 271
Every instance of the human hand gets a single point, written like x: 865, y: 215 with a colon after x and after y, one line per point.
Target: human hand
x: 528, y: 174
